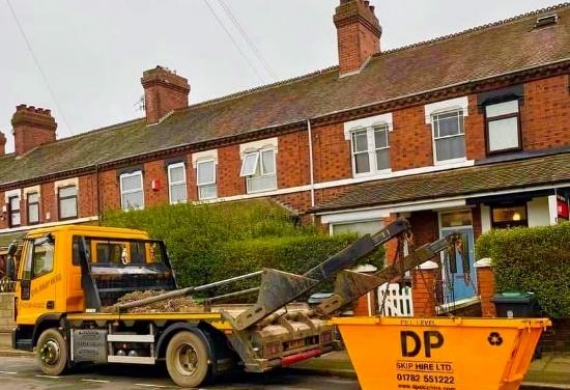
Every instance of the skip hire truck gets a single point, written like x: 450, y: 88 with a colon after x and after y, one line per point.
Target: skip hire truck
x: 67, y: 308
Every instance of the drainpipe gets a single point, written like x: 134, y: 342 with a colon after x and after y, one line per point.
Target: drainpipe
x: 311, y: 166
x: 98, y: 194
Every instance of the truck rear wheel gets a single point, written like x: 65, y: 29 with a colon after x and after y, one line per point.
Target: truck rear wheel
x: 187, y: 359
x: 51, y: 352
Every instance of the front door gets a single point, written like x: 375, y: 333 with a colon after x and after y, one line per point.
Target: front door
x: 462, y: 283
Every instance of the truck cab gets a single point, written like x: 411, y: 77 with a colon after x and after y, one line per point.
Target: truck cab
x: 60, y: 267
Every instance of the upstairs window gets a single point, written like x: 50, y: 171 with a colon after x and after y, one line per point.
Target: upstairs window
x: 206, y: 179
x: 260, y: 170
x: 132, y: 196
x: 33, y: 208
x: 370, y: 149
x: 14, y: 211
x: 448, y: 136
x: 177, y: 183
x: 67, y: 197
x: 503, y: 126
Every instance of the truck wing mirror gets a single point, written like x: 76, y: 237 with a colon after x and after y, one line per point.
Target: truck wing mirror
x: 12, y: 249
x: 11, y: 261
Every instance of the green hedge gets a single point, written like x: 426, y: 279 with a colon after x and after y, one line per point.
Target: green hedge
x: 532, y: 260
x: 213, y: 242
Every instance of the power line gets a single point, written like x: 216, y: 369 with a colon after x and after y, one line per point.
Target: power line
x: 247, y: 39
x: 234, y: 42
x: 67, y: 128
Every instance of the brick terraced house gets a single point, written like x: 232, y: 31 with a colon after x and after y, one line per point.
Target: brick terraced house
x: 466, y: 132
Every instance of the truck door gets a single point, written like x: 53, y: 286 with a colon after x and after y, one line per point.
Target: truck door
x: 38, y: 282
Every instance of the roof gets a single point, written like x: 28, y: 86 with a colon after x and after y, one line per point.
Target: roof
x: 513, y: 175
x: 505, y: 47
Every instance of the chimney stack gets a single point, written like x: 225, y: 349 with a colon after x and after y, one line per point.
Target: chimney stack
x: 164, y: 91
x: 2, y: 144
x: 32, y: 127
x: 358, y: 34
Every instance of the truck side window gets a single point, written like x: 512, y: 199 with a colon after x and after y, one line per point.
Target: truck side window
x: 77, y: 251
x: 42, y: 259
x: 27, y: 274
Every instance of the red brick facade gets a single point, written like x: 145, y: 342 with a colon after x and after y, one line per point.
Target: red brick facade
x: 545, y: 101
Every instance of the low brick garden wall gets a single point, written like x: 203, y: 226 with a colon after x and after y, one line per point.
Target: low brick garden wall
x: 6, y: 312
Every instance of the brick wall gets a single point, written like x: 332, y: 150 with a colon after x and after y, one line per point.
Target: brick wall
x: 545, y: 114
x: 331, y: 153
x: 229, y: 165
x: 155, y: 170
x: 411, y: 140
x: 7, y: 312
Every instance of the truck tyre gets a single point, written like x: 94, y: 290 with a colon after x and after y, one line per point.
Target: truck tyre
x: 187, y: 359
x: 52, y: 352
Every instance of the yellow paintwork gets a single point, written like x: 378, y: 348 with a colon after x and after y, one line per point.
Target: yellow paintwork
x: 62, y: 284
x: 390, y: 353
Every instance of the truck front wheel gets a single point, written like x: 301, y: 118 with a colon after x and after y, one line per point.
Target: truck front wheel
x: 52, y: 352
x: 187, y: 359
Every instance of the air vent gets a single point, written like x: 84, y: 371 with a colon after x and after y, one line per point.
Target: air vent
x: 546, y: 21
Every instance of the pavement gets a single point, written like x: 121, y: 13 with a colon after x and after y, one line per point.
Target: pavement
x: 552, y: 371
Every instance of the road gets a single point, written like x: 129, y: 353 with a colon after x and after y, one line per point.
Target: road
x: 23, y: 374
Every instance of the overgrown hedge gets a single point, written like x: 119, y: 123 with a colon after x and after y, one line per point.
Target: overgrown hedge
x: 213, y: 242
x: 532, y: 260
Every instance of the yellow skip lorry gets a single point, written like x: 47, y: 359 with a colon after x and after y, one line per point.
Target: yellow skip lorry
x: 70, y: 278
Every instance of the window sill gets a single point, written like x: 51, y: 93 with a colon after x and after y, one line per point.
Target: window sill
x: 263, y: 190
x: 450, y: 162
x: 384, y: 172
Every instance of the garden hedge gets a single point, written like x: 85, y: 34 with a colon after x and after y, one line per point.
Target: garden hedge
x: 532, y: 260
x: 212, y: 242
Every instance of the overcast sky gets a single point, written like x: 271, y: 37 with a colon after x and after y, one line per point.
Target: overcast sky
x: 83, y: 60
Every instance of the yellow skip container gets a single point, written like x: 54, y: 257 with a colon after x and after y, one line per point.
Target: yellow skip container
x: 396, y: 353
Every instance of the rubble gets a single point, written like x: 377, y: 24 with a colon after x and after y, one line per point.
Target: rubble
x: 172, y: 305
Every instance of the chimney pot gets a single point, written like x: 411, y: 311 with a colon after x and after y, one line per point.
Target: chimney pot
x: 32, y: 127
x: 164, y: 91
x: 2, y: 144
x: 358, y: 33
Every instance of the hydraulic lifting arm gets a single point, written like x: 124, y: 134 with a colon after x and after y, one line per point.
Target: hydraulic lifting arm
x: 280, y: 288
x: 352, y: 285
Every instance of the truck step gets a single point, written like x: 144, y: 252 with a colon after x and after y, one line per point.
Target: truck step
x: 131, y: 338
x: 131, y: 359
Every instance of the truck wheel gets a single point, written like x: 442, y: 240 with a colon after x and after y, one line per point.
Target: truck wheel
x: 52, y: 352
x: 187, y: 359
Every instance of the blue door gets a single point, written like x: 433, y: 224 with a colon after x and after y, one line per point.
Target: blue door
x: 460, y: 285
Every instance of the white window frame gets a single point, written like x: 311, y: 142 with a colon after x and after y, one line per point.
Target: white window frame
x: 172, y: 183
x: 256, y: 171
x: 202, y: 184
x: 435, y: 138
x: 442, y: 107
x: 253, y: 167
x: 123, y: 192
x: 371, y: 148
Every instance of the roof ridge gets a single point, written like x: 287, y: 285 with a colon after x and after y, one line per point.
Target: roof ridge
x: 259, y: 88
x: 473, y: 29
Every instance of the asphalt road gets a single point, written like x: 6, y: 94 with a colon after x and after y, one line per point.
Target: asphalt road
x: 23, y: 374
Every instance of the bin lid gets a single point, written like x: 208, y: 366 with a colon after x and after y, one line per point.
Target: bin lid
x: 514, y: 297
